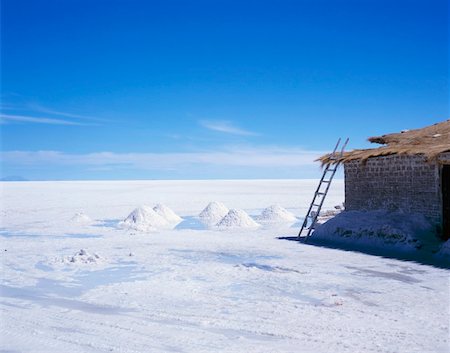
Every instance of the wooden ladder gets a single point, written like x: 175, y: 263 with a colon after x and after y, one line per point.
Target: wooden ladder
x: 309, y: 223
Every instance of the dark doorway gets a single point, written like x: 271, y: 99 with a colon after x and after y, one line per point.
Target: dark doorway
x: 446, y: 200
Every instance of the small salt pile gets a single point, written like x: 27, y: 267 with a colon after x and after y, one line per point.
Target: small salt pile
x: 144, y: 219
x: 237, y: 219
x: 276, y: 214
x: 166, y: 213
x: 213, y: 213
x: 84, y: 257
x: 81, y: 218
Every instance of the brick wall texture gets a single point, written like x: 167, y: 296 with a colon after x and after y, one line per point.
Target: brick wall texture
x: 403, y: 183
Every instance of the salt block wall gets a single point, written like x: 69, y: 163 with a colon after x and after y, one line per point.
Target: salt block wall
x: 396, y: 183
x: 445, y: 157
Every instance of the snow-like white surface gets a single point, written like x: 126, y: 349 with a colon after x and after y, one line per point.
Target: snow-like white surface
x: 81, y: 218
x: 144, y: 219
x: 167, y: 213
x: 276, y: 213
x: 237, y: 219
x: 213, y: 213
x: 200, y: 290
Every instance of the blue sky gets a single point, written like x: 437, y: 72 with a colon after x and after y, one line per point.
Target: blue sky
x: 211, y: 89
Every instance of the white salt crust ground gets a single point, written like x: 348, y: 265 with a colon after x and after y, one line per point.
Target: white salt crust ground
x: 202, y: 290
x: 81, y: 218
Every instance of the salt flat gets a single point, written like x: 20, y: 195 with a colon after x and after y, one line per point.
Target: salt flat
x: 195, y: 289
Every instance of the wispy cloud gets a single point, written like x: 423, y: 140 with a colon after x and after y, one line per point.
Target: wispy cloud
x: 5, y: 118
x: 30, y: 112
x: 252, y: 157
x: 225, y: 126
x: 46, y: 110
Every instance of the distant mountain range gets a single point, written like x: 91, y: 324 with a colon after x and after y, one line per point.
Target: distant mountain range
x: 13, y: 178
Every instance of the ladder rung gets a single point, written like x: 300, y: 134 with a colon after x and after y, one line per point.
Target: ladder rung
x: 321, y: 193
x: 314, y: 204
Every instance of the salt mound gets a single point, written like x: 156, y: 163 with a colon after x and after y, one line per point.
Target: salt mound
x: 81, y: 217
x: 377, y: 229
x: 213, y: 213
x: 144, y: 219
x: 444, y: 250
x: 84, y: 257
x: 276, y: 213
x: 237, y: 219
x: 166, y: 213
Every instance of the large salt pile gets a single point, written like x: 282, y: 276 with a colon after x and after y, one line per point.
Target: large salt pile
x: 276, y: 214
x: 237, y: 219
x: 213, y: 213
x: 144, y: 219
x: 166, y: 213
x: 81, y: 218
x: 377, y: 229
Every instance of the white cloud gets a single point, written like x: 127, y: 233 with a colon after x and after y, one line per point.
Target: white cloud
x: 45, y: 110
x: 4, y: 118
x: 252, y: 157
x: 45, y: 115
x: 226, y: 127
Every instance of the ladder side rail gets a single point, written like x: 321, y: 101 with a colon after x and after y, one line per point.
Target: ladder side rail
x: 336, y: 147
x: 305, y: 221
x: 314, y: 220
x: 329, y: 184
x: 327, y: 189
x: 324, y: 193
x: 321, y: 203
x: 344, y: 145
x: 334, y: 170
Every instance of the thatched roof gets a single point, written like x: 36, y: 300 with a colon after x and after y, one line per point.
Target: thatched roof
x: 429, y: 141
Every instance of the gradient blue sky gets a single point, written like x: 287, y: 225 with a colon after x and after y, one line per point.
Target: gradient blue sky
x: 211, y: 89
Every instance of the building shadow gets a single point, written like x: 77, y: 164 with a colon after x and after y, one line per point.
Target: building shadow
x: 424, y: 258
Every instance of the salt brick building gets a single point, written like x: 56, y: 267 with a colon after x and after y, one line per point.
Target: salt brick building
x: 409, y: 173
